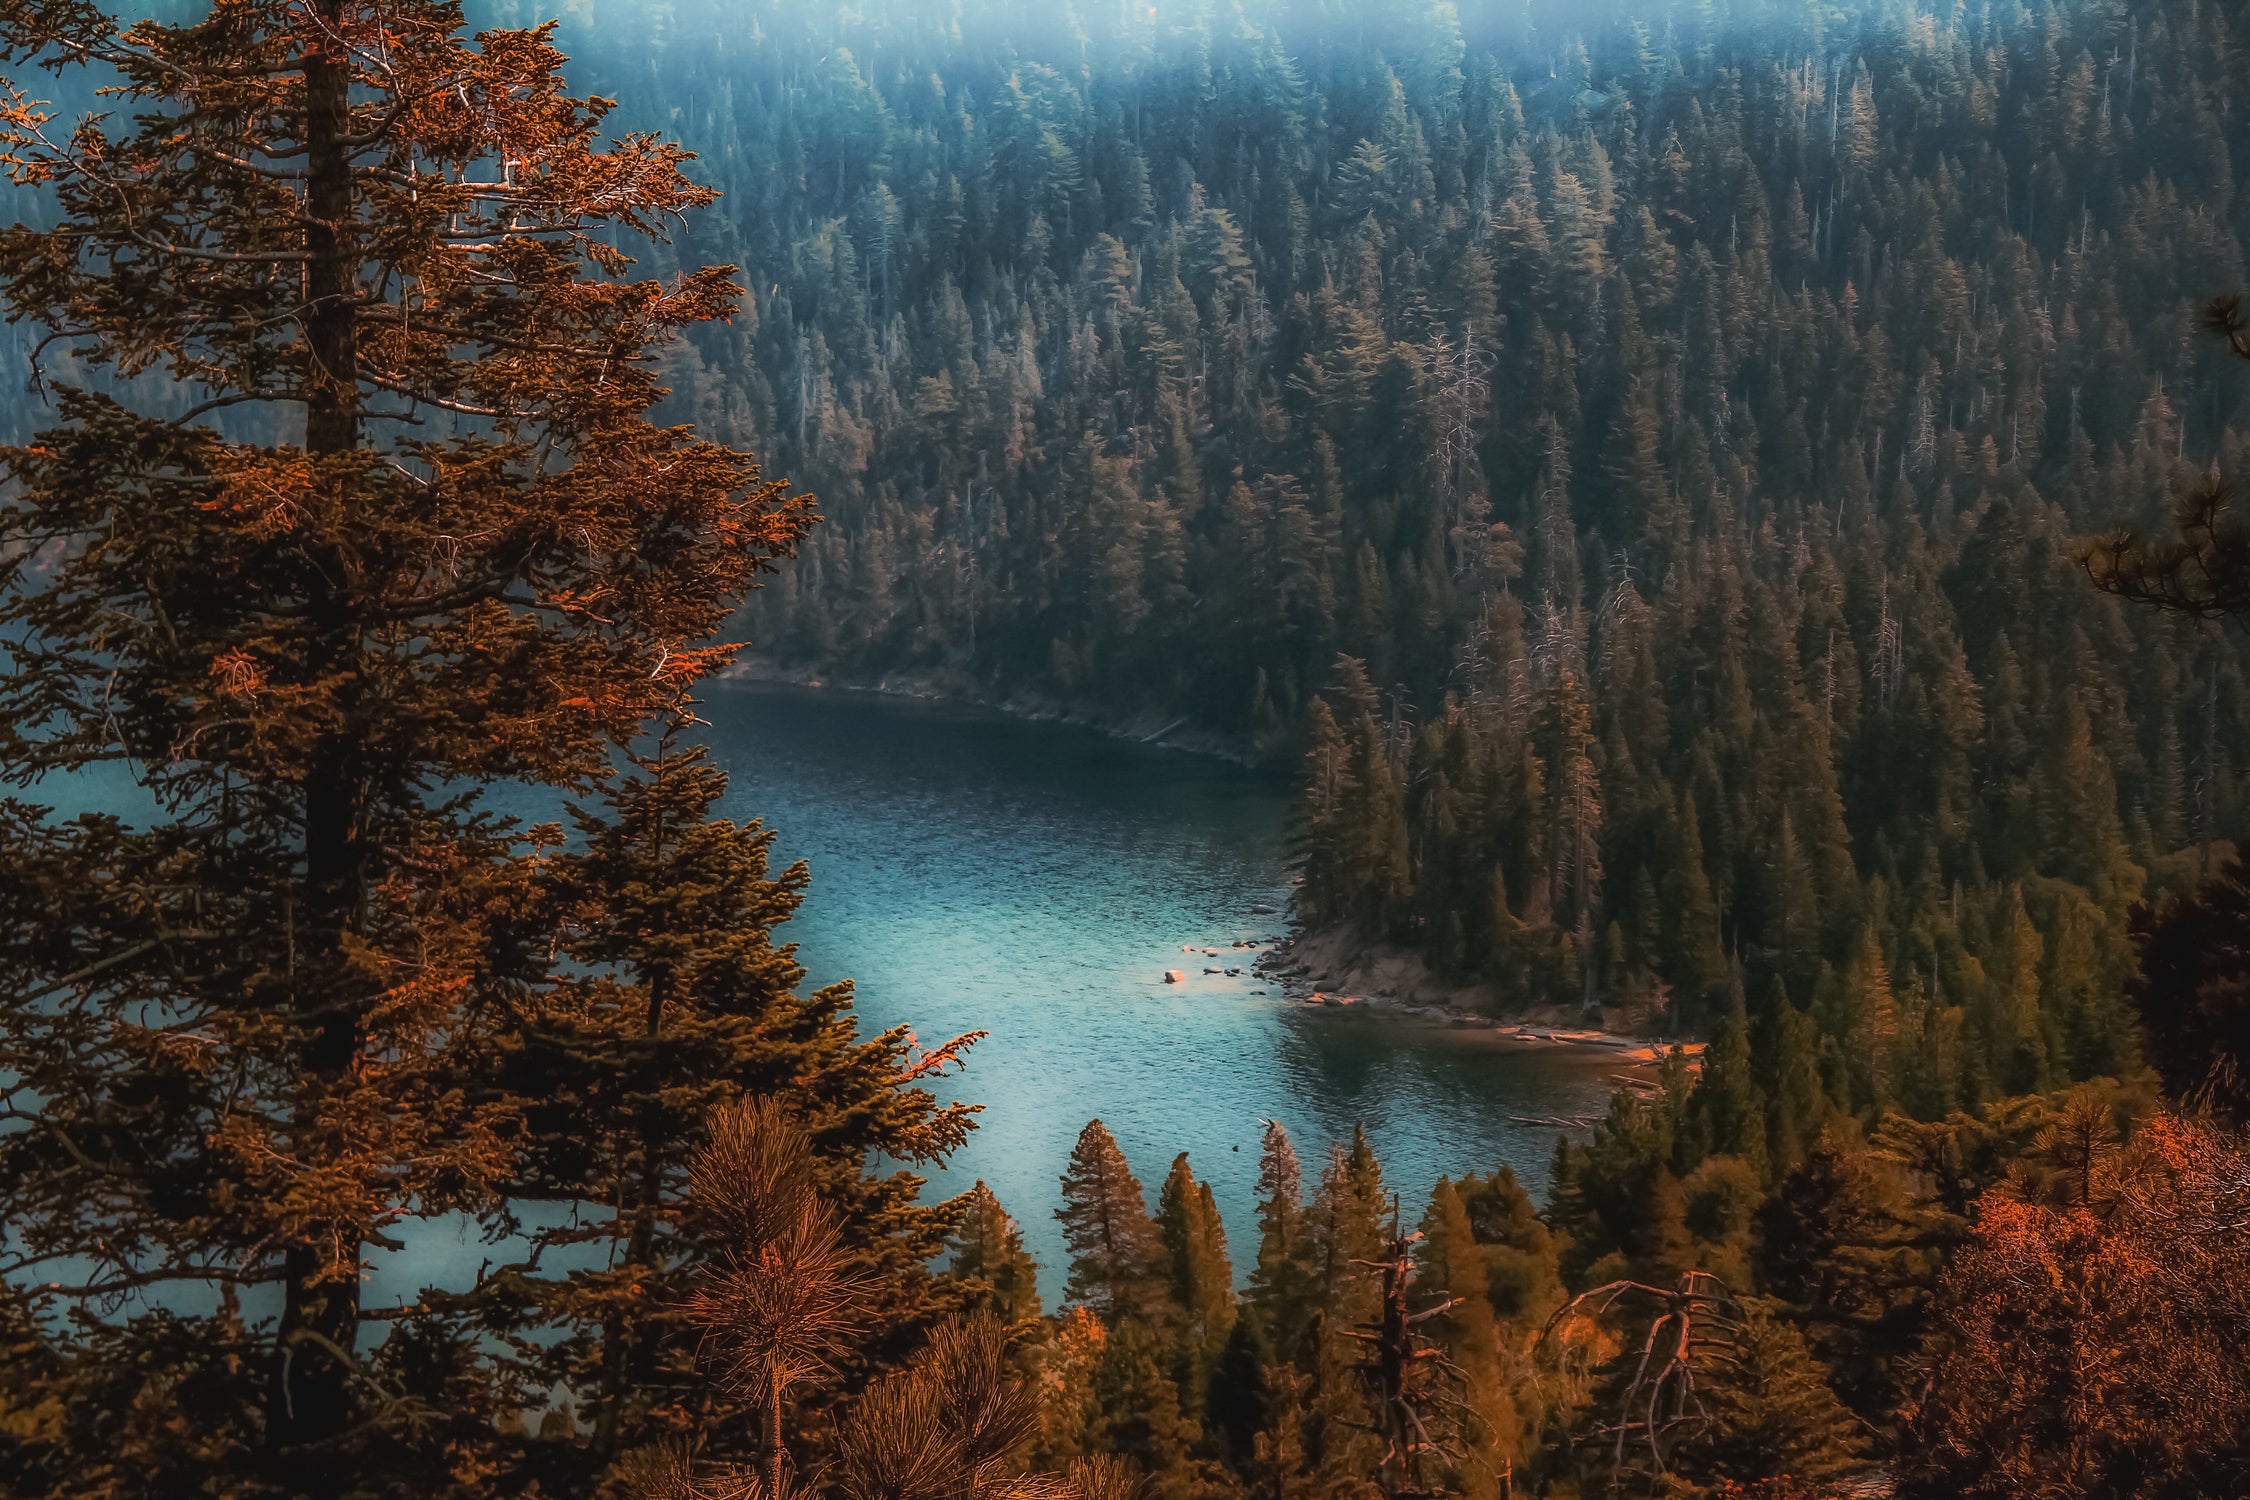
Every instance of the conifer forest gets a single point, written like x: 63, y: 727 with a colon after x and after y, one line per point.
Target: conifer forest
x: 1722, y: 513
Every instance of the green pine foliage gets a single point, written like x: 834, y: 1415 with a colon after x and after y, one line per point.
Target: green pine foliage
x: 1727, y: 1111
x: 1683, y: 432
x: 1350, y: 1210
x: 1240, y: 1405
x: 1480, y: 1427
x: 1840, y: 1245
x: 1282, y: 1286
x: 676, y: 999
x: 1201, y: 1280
x: 1117, y: 1260
x: 1634, y: 471
x: 988, y: 1253
x: 1772, y: 1413
x: 1520, y: 1274
x: 1140, y: 1417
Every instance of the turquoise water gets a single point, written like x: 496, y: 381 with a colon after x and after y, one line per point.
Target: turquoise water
x: 1035, y: 881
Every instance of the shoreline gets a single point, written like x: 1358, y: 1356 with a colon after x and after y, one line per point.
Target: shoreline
x: 1314, y: 971
x: 1328, y: 971
x: 932, y: 687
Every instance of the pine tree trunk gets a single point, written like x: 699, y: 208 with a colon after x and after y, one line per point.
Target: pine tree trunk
x: 331, y: 283
x: 620, y: 1335
x: 318, y: 1334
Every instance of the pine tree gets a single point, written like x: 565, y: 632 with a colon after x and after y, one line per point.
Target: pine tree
x: 2203, y: 568
x: 1696, y: 960
x: 988, y: 1252
x: 1116, y: 1259
x: 1201, y: 1280
x: 1282, y: 1288
x: 1793, y: 927
x: 1772, y: 1413
x: 1833, y: 1244
x: 2074, y: 794
x: 2010, y: 1019
x: 1727, y: 1111
x: 1788, y: 1071
x: 677, y: 1000
x: 780, y: 1306
x: 1575, y: 808
x: 1723, y: 1195
x: 1326, y: 856
x: 1347, y: 1215
x: 1240, y: 1407
x: 1377, y: 847
x: 300, y: 640
x: 1662, y: 1250
x: 1139, y: 1417
x: 779, y: 1302
x: 1859, y: 1014
x: 1067, y: 1362
x: 1485, y: 1429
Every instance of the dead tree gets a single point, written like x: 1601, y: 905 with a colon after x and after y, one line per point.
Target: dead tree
x: 1402, y: 1367
x: 1692, y: 1325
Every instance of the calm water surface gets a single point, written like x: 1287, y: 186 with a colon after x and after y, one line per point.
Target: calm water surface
x: 1035, y: 881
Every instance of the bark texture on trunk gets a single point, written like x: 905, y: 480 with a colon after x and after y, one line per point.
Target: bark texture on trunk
x: 316, y: 1342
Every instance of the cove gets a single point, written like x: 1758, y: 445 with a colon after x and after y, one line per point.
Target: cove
x: 972, y: 871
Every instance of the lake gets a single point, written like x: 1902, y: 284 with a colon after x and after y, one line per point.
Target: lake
x: 1035, y: 880
x: 972, y: 871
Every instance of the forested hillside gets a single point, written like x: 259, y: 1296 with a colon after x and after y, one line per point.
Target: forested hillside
x: 1639, y: 461
x: 1683, y: 417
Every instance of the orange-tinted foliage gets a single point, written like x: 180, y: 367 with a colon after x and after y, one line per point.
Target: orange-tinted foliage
x: 2099, y: 1349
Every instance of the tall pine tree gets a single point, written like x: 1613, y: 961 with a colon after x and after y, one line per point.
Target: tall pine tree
x: 1117, y: 1260
x: 319, y: 628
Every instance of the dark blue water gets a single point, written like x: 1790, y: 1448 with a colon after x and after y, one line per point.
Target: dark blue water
x: 1035, y: 881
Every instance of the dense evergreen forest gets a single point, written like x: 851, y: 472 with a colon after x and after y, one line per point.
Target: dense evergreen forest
x: 1661, y: 436
x: 1642, y: 465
